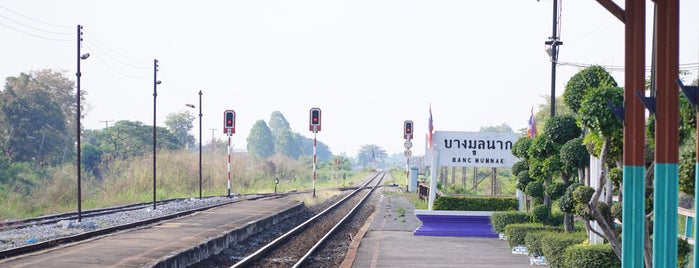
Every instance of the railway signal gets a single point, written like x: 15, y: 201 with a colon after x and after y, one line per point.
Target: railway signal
x: 314, y: 126
x: 315, y: 120
x: 229, y: 129
x: 229, y: 122
x: 407, y: 135
x: 408, y: 129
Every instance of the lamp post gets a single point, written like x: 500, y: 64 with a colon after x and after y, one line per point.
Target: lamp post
x: 156, y: 82
x: 200, y: 115
x: 77, y: 115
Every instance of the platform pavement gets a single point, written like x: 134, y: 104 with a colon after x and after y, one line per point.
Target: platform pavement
x: 388, y: 241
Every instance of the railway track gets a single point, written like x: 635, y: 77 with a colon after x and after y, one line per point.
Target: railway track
x: 298, y: 246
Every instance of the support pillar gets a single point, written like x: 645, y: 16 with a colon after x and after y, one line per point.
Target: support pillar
x: 633, y: 211
x: 666, y: 136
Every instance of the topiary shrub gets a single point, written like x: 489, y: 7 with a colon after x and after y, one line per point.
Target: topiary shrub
x: 553, y: 246
x: 583, y: 194
x: 555, y: 190
x: 476, y: 203
x: 541, y: 214
x: 516, y: 232
x: 501, y: 219
x: 535, y: 189
x: 590, y: 256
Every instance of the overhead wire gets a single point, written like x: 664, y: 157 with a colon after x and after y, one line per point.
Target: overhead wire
x: 114, y: 69
x: 36, y: 35
x: 36, y: 28
x: 99, y: 45
x: 27, y: 29
x: 35, y: 20
x: 105, y: 55
x: 682, y: 66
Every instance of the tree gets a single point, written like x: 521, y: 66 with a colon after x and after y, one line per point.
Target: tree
x: 369, y: 155
x: 591, y: 77
x: 260, y: 140
x: 504, y: 127
x: 605, y: 133
x: 180, y: 124
x: 323, y: 152
x: 126, y: 139
x: 288, y: 143
x: 35, y: 112
x: 560, y: 129
x: 278, y: 123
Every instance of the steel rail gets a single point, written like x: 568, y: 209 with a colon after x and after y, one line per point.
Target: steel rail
x: 275, y: 243
x: 338, y: 225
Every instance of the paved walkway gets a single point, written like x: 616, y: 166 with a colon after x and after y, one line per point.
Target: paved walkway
x: 389, y: 242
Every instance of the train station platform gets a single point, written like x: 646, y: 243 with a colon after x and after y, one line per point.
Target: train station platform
x: 388, y: 241
x: 178, y: 242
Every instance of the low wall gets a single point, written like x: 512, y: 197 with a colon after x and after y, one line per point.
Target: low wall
x: 455, y: 223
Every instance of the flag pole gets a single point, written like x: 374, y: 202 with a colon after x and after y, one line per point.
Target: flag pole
x: 433, y: 178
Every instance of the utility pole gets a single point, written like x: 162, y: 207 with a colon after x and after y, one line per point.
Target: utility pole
x: 155, y: 95
x: 78, y: 74
x: 106, y: 123
x: 552, y: 50
x: 212, y: 139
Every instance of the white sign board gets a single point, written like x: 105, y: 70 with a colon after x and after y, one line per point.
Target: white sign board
x: 474, y: 149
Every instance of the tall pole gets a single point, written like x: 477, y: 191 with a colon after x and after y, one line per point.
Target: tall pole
x: 229, y: 162
x: 554, y: 43
x: 155, y: 94
x: 200, y: 115
x: 77, y: 125
x: 315, y: 131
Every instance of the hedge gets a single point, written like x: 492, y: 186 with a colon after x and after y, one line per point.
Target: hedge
x: 516, y: 232
x: 501, y: 219
x: 533, y: 241
x: 553, y: 246
x: 476, y: 203
x: 591, y: 256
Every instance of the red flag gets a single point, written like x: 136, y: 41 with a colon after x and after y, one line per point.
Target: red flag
x: 531, y: 131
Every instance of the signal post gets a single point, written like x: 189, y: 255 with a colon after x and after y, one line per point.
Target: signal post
x: 314, y: 126
x: 407, y: 135
x: 229, y: 129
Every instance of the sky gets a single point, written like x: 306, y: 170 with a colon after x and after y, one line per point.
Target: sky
x: 368, y: 65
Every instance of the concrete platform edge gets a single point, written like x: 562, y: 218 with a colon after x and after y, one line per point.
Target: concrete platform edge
x: 216, y: 245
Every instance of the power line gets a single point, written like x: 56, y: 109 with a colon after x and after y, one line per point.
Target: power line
x: 108, y: 55
x: 35, y: 35
x: 141, y: 64
x: 113, y: 68
x: 683, y: 66
x: 35, y: 28
x: 35, y: 20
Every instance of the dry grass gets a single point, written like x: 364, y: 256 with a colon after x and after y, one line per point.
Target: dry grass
x: 177, y: 175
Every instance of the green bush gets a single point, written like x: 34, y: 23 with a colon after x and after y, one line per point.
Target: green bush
x: 501, y: 219
x: 590, y: 256
x: 541, y: 213
x: 556, y: 219
x: 516, y: 232
x: 533, y: 241
x: 476, y: 203
x: 553, y: 246
x: 535, y: 189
